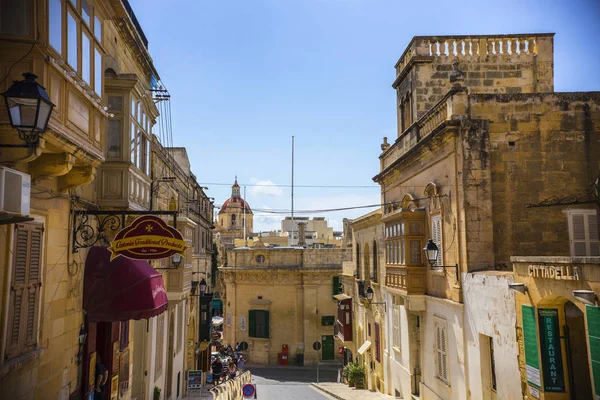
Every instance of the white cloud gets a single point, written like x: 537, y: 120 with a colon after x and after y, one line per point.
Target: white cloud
x: 264, y: 188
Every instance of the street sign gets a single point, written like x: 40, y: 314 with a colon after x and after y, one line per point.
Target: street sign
x: 317, y: 346
x: 248, y: 390
x: 243, y: 346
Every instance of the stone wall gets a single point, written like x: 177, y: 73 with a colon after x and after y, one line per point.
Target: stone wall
x: 540, y: 146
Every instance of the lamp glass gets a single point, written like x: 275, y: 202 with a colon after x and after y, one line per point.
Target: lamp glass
x: 202, y: 286
x: 370, y: 293
x: 28, y: 105
x: 176, y: 259
x: 431, y: 251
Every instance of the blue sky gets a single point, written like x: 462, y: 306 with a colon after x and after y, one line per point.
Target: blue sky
x: 246, y: 75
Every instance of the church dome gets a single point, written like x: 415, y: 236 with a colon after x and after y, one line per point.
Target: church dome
x: 235, y: 202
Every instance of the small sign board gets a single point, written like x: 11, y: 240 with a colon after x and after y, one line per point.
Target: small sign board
x: 194, y: 381
x: 248, y: 390
x: 317, y: 346
x: 148, y: 238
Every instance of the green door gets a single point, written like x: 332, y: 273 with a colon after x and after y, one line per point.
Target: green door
x: 327, y: 343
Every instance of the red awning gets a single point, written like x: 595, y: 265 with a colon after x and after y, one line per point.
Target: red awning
x: 121, y: 289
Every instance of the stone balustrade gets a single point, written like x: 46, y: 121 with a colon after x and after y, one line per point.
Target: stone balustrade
x: 470, y: 46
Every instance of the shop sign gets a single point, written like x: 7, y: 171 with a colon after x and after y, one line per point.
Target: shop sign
x: 148, y: 238
x: 534, y: 392
x: 242, y: 322
x: 114, y: 388
x: 552, y: 366
x: 194, y: 383
x: 563, y: 272
x: 531, y: 347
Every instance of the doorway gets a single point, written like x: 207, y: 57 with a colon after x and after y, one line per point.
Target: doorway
x: 170, y: 353
x: 577, y: 353
x: 327, y: 349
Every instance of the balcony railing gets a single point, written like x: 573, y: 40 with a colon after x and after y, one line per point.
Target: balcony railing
x: 410, y: 280
x: 343, y: 331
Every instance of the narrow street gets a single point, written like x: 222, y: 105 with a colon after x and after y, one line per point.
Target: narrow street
x: 275, y: 383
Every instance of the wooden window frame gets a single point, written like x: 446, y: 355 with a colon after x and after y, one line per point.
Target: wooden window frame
x: 589, y: 240
x: 436, y: 219
x: 377, y: 342
x: 252, y: 331
x: 442, y: 369
x: 27, y: 328
x: 396, y: 336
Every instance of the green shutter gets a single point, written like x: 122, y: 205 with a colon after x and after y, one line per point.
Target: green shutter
x: 531, y: 346
x: 593, y: 326
x: 252, y: 323
x: 336, y: 284
x: 266, y: 315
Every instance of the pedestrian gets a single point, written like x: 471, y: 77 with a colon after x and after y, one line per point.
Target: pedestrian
x: 232, y: 369
x: 217, y: 370
x: 240, y: 364
x: 101, y: 379
x: 237, y: 347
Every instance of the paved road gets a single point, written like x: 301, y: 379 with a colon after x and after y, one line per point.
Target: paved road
x: 277, y: 383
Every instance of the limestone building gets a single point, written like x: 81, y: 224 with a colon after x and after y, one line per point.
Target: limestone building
x: 235, y: 219
x: 280, y: 300
x: 364, y: 336
x: 481, y: 135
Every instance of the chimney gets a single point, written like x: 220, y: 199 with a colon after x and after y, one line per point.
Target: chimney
x: 301, y: 234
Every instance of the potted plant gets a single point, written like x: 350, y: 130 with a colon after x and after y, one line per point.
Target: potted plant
x: 346, y: 374
x: 356, y: 374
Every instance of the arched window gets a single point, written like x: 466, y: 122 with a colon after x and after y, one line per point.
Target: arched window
x: 366, y: 262
x: 375, y: 262
x: 357, y: 260
x: 233, y: 223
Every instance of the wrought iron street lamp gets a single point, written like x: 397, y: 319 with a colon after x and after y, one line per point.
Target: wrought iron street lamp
x: 202, y: 286
x: 176, y: 259
x: 29, y: 109
x: 431, y: 254
x: 369, y: 294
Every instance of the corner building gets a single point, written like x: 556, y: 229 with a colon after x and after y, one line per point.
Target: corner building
x: 280, y: 301
x: 481, y: 135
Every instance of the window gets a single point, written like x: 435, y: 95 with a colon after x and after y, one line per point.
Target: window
x: 98, y: 72
x: 124, y: 335
x: 86, y: 55
x: 259, y: 324
x: 357, y: 260
x: 55, y: 24
x: 396, y: 327
x: 24, y: 302
x: 16, y: 17
x: 583, y: 233
x: 113, y: 140
x: 86, y: 12
x: 260, y: 259
x: 436, y: 236
x: 441, y: 345
x: 377, y: 343
x: 375, y: 274
x: 492, y: 364
x: 160, y: 340
x: 335, y: 282
x: 98, y: 28
x: 180, y: 326
x: 327, y: 320
x: 72, y: 45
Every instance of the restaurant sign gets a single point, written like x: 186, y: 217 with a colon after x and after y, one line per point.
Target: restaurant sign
x: 147, y: 238
x: 562, y: 272
x: 551, y: 352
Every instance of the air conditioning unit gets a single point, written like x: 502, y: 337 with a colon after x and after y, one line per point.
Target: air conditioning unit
x: 15, y: 191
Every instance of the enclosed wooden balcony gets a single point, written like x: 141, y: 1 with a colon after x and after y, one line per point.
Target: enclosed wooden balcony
x: 409, y: 280
x: 179, y: 282
x: 343, y: 324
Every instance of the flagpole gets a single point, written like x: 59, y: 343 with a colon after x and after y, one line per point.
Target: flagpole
x: 292, y: 189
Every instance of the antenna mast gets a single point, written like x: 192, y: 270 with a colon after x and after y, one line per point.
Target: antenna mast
x: 292, y: 190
